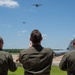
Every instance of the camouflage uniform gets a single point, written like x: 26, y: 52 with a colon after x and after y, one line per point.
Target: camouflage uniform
x: 68, y: 63
x: 36, y: 60
x: 6, y: 63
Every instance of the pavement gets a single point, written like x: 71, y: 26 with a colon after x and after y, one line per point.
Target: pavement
x: 56, y: 60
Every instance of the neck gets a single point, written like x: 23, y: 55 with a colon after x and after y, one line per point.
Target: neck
x: 36, y: 44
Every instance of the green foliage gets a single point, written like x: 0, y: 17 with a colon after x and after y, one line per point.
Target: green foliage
x: 55, y: 71
x: 13, y: 50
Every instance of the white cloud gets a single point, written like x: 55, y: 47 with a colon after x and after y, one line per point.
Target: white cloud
x: 74, y: 35
x: 22, y: 32
x: 9, y: 3
x: 18, y: 34
x: 44, y: 36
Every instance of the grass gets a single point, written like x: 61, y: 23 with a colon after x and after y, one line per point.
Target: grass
x: 55, y: 71
x: 19, y: 71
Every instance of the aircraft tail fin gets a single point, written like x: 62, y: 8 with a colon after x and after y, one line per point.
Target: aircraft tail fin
x: 71, y: 45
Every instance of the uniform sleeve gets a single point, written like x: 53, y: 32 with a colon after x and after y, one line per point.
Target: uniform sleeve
x: 51, y: 57
x: 22, y: 57
x: 63, y: 62
x: 11, y: 64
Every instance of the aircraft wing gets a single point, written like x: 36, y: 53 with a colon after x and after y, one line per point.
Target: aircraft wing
x: 69, y: 48
x: 60, y: 52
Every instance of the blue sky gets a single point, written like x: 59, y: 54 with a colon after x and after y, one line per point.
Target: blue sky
x: 55, y: 19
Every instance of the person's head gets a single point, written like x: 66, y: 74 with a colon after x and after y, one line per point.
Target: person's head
x: 1, y: 43
x: 36, y: 37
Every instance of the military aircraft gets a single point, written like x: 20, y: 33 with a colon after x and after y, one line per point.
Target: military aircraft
x: 70, y: 48
x: 36, y: 5
x: 23, y: 22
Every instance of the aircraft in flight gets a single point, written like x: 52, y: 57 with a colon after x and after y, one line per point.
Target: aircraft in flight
x: 70, y: 48
x: 23, y: 22
x: 36, y: 5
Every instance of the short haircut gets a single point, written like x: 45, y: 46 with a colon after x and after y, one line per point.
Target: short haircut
x: 36, y: 36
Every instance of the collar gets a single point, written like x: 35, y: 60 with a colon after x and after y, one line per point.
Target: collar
x: 38, y: 47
